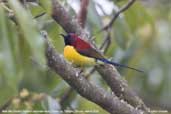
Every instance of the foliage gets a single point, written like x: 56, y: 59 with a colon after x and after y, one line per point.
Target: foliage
x: 140, y: 38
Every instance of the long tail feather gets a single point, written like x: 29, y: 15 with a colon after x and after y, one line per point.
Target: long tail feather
x: 119, y: 65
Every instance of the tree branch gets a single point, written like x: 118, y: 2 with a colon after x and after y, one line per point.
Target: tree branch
x: 107, y: 101
x: 82, y: 15
x: 120, y: 87
x: 59, y: 15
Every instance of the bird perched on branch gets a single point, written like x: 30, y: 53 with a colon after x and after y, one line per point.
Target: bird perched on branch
x: 81, y: 53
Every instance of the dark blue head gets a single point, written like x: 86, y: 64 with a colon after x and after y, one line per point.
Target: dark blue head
x: 67, y: 39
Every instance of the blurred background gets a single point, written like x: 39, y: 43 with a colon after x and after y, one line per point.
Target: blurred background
x: 140, y: 37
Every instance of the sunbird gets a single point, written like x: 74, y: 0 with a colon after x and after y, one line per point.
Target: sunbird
x: 81, y: 53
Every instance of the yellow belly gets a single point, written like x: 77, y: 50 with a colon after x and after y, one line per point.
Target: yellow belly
x: 73, y: 56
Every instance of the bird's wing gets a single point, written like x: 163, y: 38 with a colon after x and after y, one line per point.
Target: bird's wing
x: 86, y: 49
x: 90, y: 52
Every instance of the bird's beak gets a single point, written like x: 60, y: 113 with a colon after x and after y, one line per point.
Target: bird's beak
x: 62, y: 35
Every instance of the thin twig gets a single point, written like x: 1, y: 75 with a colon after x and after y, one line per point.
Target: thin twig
x: 124, y: 8
x: 65, y: 96
x: 6, y: 105
x: 39, y: 15
x: 101, y: 8
x: 6, y: 7
x: 106, y: 43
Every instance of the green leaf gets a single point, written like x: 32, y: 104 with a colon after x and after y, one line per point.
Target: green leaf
x: 122, y: 33
x: 93, y: 17
x: 8, y: 68
x: 30, y: 32
x: 7, y: 62
x: 47, y: 5
x: 137, y: 16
